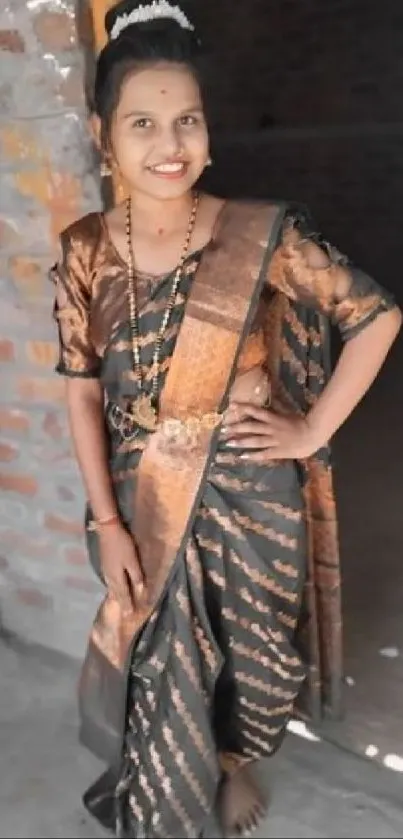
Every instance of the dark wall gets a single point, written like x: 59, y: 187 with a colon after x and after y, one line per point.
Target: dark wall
x: 308, y: 99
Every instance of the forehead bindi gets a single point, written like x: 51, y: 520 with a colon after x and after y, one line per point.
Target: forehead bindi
x: 150, y: 85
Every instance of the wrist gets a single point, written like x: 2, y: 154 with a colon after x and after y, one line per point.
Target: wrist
x: 317, y: 433
x: 105, y: 523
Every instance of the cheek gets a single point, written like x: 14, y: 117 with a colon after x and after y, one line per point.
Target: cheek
x: 198, y: 145
x: 128, y: 152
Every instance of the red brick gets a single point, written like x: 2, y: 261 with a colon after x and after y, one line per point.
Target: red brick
x: 7, y: 352
x: 34, y: 183
x: 18, y: 143
x: 27, y: 275
x: 52, y: 426
x: 34, y: 597
x: 11, y: 41
x: 13, y: 421
x: 8, y: 452
x: 41, y: 390
x: 23, y: 484
x: 55, y: 31
x: 42, y: 352
x: 81, y: 584
x: 21, y: 542
x: 62, y: 525
x: 76, y: 556
x: 63, y: 201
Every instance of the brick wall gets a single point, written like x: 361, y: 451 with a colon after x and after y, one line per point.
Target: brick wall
x: 47, y: 180
x: 310, y: 106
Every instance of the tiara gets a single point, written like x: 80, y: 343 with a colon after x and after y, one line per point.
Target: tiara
x: 157, y: 10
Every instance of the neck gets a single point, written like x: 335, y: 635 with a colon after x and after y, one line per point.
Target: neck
x: 154, y: 215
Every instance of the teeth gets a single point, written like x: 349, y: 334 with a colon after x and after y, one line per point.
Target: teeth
x: 169, y: 168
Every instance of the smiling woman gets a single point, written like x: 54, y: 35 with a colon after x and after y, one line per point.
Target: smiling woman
x: 158, y: 128
x: 194, y: 336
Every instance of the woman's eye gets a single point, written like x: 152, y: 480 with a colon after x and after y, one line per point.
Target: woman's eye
x: 143, y: 122
x: 188, y: 120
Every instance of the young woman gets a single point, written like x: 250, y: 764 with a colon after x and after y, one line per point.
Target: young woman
x: 193, y: 338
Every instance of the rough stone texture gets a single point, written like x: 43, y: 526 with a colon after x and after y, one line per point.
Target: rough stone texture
x: 48, y: 179
x: 306, y: 110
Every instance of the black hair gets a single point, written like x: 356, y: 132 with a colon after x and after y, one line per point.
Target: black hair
x: 138, y: 45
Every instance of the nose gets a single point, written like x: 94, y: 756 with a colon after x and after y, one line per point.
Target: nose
x: 170, y: 145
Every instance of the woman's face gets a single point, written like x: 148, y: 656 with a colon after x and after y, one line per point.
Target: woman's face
x: 159, y: 135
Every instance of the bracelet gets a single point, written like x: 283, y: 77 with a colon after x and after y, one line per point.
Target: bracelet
x: 98, y: 524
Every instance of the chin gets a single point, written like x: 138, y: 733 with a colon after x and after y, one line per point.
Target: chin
x: 167, y: 189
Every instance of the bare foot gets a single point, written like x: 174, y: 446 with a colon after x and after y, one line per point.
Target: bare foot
x: 242, y: 803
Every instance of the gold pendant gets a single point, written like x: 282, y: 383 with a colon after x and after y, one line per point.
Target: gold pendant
x: 144, y: 413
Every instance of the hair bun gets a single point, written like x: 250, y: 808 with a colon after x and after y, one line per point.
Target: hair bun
x: 161, y: 14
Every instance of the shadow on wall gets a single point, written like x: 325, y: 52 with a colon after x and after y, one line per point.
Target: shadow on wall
x: 85, y: 33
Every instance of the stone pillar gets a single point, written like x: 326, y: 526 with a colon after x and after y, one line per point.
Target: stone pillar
x: 48, y: 179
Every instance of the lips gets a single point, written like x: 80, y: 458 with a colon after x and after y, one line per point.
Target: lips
x: 169, y: 170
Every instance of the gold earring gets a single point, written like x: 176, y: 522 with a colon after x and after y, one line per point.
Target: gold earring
x: 120, y: 191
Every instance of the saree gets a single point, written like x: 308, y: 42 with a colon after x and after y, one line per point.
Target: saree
x: 247, y: 609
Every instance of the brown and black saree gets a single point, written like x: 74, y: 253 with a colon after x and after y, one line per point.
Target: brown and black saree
x: 241, y: 559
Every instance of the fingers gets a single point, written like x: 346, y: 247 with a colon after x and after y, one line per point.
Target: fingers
x: 265, y: 455
x: 136, y: 582
x: 248, y: 428
x: 122, y: 570
x: 239, y: 411
x: 127, y: 586
x: 251, y: 433
x: 119, y: 588
x: 135, y: 575
x: 255, y: 441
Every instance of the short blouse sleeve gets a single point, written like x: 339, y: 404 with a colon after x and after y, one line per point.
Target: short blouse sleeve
x: 307, y: 269
x: 72, y: 309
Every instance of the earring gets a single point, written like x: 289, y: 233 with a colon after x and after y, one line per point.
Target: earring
x: 105, y: 169
x: 120, y: 191
x: 209, y: 161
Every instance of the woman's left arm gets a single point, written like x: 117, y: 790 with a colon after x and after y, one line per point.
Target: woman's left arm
x: 359, y: 363
x: 307, y: 270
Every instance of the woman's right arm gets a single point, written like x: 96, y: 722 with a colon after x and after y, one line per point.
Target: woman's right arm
x: 119, y: 559
x: 80, y: 365
x: 85, y: 404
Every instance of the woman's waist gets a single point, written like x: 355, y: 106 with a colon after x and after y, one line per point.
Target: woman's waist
x: 230, y: 471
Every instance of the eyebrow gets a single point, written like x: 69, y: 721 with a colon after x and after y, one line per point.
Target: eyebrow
x: 192, y: 110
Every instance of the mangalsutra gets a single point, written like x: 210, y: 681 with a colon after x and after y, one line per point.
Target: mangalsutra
x: 144, y: 409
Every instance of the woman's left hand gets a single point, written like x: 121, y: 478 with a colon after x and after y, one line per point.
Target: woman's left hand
x: 272, y: 436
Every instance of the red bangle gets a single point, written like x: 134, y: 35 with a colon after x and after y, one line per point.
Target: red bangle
x: 98, y: 524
